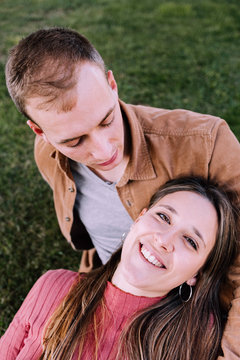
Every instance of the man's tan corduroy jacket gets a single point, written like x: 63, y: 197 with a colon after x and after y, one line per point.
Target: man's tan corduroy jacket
x: 164, y: 144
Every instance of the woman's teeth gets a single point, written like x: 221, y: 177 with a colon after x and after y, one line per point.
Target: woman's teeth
x: 150, y: 257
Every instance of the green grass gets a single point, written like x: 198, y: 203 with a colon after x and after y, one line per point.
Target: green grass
x: 171, y: 54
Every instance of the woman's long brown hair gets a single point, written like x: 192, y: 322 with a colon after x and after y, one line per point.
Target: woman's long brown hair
x: 170, y: 329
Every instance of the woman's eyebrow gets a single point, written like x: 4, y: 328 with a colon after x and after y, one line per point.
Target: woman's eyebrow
x: 170, y: 208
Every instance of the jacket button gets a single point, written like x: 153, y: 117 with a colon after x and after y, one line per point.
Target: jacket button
x: 71, y: 189
x: 67, y: 218
x: 129, y: 204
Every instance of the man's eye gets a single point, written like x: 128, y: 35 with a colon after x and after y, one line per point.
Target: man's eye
x: 108, y: 122
x: 164, y: 217
x: 79, y: 141
x: 191, y: 242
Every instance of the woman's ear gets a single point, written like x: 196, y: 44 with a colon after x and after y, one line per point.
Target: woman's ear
x: 192, y: 281
x: 141, y: 214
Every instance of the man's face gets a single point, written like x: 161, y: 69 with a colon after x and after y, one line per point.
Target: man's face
x: 92, y: 132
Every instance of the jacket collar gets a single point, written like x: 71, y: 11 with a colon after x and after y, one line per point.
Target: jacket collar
x: 140, y: 165
x: 62, y: 161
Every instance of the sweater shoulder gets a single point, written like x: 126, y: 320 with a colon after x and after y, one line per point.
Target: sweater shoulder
x: 48, y: 291
x: 59, y: 281
x: 58, y: 278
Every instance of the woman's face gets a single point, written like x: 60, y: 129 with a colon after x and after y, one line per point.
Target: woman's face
x: 167, y: 245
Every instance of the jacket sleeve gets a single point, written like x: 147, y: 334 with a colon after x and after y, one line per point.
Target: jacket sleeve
x: 225, y: 168
x: 23, y: 337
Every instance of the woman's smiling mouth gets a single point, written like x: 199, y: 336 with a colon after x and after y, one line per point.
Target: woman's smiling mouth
x: 150, y: 257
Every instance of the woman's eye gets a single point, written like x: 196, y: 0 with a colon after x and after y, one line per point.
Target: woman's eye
x: 191, y: 242
x: 164, y: 217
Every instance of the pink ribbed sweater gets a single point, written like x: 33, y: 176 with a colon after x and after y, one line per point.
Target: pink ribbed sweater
x: 22, y: 340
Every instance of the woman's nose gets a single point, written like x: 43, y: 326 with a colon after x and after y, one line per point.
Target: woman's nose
x: 164, y: 241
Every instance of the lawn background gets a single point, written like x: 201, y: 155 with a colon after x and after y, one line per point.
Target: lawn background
x: 170, y: 54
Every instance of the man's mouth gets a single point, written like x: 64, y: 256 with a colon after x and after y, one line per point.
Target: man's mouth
x: 150, y: 257
x: 110, y: 161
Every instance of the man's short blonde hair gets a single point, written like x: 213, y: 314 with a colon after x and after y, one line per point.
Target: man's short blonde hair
x: 43, y: 65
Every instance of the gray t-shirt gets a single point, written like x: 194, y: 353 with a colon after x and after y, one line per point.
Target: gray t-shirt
x: 100, y: 209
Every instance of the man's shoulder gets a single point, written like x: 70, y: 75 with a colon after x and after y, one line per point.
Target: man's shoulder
x: 177, y: 121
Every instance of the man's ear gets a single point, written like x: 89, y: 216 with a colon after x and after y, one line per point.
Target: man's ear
x: 192, y: 281
x: 112, y: 81
x: 37, y: 130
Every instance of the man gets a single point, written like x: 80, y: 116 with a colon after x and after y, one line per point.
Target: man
x: 103, y: 158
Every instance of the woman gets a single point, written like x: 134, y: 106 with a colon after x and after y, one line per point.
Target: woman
x: 155, y: 302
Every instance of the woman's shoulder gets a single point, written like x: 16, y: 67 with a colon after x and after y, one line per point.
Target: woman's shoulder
x: 48, y: 291
x: 55, y: 282
x: 57, y: 277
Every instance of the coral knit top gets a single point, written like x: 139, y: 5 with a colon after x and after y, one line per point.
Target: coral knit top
x: 22, y: 340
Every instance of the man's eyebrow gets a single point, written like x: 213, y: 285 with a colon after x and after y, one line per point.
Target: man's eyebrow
x: 78, y: 137
x: 196, y: 231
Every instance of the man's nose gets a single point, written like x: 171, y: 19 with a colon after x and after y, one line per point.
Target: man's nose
x: 164, y: 241
x: 101, y: 148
